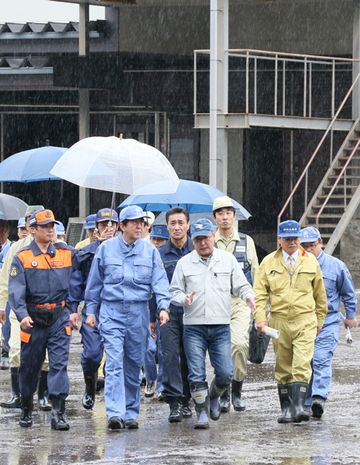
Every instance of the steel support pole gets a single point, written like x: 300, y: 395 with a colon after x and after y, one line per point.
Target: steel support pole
x: 219, y: 44
x: 356, y: 65
x: 84, y: 101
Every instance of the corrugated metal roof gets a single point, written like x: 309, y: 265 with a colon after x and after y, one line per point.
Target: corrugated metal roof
x: 47, y: 28
x: 24, y: 62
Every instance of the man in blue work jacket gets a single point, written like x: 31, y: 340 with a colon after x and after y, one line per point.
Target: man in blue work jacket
x: 125, y: 272
x: 339, y: 287
x: 38, y: 288
x: 107, y: 222
x: 176, y: 390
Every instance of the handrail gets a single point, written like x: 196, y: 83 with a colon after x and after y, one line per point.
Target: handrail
x: 285, y: 54
x: 306, y: 169
x: 337, y: 182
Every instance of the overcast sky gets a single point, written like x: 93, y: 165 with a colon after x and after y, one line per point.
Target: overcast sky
x: 22, y: 11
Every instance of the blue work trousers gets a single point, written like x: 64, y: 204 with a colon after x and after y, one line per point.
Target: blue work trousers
x: 325, y: 345
x: 123, y: 328
x: 92, y: 348
x: 217, y: 341
x: 175, y: 368
x: 56, y: 339
x: 153, y: 354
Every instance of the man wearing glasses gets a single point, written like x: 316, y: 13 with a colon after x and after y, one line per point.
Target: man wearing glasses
x: 290, y: 279
x: 339, y: 287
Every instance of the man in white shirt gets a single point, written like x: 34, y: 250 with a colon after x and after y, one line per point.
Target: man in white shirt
x: 203, y: 283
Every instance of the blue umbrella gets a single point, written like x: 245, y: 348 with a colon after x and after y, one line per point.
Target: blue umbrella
x: 196, y: 197
x: 31, y: 165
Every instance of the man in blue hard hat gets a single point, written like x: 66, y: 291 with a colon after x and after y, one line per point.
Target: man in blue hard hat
x: 339, y: 288
x: 153, y: 376
x: 89, y: 226
x: 290, y: 280
x: 22, y: 231
x: 106, y: 224
x: 124, y: 274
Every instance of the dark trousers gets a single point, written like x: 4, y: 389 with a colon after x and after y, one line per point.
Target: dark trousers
x: 175, y: 370
x: 92, y: 348
x: 56, y: 339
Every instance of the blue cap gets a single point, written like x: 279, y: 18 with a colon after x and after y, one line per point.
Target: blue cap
x: 132, y: 212
x: 106, y: 214
x: 159, y: 230
x: 310, y: 234
x: 90, y: 221
x: 289, y: 228
x: 21, y: 222
x: 201, y: 227
x: 60, y: 229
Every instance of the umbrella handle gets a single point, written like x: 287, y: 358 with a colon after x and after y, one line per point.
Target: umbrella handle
x: 113, y: 201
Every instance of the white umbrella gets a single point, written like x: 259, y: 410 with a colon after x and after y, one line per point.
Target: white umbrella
x: 11, y: 208
x: 115, y: 165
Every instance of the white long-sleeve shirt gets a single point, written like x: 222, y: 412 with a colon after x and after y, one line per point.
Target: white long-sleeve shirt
x: 214, y: 283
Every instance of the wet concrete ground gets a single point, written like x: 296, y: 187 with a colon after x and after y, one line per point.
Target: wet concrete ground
x: 252, y: 437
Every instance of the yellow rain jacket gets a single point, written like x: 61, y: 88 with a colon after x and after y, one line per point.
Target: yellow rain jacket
x: 290, y: 297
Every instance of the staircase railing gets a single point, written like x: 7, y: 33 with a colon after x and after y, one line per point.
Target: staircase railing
x: 305, y: 173
x: 354, y: 150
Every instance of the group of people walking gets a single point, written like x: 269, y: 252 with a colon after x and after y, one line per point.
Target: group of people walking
x: 169, y: 294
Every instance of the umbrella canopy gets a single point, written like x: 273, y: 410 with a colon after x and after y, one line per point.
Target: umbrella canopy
x: 196, y: 197
x: 115, y: 165
x: 11, y: 208
x: 31, y: 165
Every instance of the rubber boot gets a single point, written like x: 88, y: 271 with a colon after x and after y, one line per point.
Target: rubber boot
x: 317, y: 406
x: 298, y: 395
x: 88, y: 399
x: 43, y: 401
x: 286, y: 403
x: 238, y: 403
x: 58, y: 419
x: 202, y: 415
x: 225, y: 401
x: 175, y: 411
x: 26, y: 412
x: 214, y: 394
x: 15, y: 400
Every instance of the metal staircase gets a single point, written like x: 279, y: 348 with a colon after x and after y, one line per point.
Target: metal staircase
x: 337, y: 197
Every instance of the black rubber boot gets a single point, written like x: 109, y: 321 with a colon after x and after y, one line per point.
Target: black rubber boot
x: 58, y: 419
x: 286, y: 403
x: 43, y: 401
x: 88, y: 399
x: 317, y: 406
x: 175, y: 411
x: 26, y: 412
x: 236, y: 400
x: 299, y: 391
x: 15, y: 400
x: 225, y: 401
x: 214, y: 395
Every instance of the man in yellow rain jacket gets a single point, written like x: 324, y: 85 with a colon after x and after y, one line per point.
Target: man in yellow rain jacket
x: 291, y: 281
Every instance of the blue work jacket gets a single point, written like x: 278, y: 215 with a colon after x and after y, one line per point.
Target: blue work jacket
x: 339, y: 287
x: 123, y: 273
x: 82, y: 265
x: 39, y: 278
x: 170, y: 255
